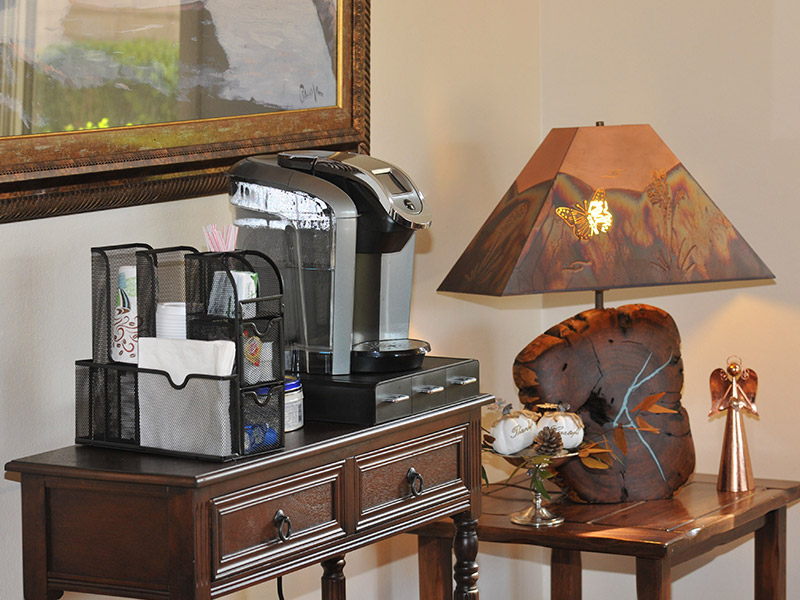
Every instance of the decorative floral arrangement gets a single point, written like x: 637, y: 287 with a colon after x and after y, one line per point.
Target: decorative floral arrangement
x: 538, y: 441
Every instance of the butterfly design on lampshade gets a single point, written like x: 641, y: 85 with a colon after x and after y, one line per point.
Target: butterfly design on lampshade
x: 590, y: 218
x: 734, y: 387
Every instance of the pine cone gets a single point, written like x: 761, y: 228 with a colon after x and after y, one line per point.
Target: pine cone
x: 548, y: 442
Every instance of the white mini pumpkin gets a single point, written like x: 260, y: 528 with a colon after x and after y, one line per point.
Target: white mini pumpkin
x: 568, y: 424
x: 514, y: 431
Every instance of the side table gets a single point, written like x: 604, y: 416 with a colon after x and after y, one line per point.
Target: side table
x: 659, y: 533
x: 139, y: 525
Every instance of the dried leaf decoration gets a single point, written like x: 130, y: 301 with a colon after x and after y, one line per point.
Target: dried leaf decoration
x: 593, y: 463
x: 619, y: 439
x: 657, y: 408
x: 607, y: 458
x: 595, y: 456
x: 649, y: 402
x: 645, y: 426
x: 650, y: 405
x: 592, y: 449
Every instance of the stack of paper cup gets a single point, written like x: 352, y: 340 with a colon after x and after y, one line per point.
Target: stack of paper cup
x: 171, y: 320
x: 125, y: 343
x: 221, y: 302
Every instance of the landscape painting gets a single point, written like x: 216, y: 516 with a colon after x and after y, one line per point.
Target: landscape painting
x: 71, y: 65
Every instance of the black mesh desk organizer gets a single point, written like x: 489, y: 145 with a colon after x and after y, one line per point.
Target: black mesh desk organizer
x: 210, y: 417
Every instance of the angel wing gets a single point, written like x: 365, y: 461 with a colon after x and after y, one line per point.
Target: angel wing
x: 721, y: 388
x: 748, y: 385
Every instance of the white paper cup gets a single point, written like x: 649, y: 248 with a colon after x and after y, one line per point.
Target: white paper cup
x: 171, y: 320
x: 124, y: 343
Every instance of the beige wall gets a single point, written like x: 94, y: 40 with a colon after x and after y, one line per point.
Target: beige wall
x: 719, y: 82
x: 461, y: 96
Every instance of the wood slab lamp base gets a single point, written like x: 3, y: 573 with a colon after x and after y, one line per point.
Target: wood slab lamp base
x: 621, y: 370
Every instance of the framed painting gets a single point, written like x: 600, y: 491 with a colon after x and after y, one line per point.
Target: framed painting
x: 112, y: 103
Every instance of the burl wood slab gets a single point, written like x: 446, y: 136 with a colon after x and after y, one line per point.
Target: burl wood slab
x: 621, y: 370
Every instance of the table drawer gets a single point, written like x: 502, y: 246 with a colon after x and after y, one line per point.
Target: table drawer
x: 411, y: 478
x: 256, y: 525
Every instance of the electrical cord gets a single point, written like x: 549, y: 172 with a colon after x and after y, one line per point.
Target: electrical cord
x: 280, y: 588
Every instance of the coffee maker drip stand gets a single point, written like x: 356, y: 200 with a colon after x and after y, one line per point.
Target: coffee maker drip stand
x: 381, y: 356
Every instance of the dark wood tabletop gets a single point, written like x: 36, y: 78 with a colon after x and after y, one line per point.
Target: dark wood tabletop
x: 659, y: 533
x: 653, y: 529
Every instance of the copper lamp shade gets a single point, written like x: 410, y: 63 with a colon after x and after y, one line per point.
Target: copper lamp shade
x: 598, y: 208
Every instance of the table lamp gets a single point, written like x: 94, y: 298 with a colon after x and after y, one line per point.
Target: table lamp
x: 599, y: 208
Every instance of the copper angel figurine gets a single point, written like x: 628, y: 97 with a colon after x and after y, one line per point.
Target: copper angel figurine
x: 733, y: 386
x: 734, y: 389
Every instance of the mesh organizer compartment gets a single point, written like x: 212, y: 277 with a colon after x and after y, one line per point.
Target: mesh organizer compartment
x: 217, y: 418
x: 160, y: 278
x: 106, y: 262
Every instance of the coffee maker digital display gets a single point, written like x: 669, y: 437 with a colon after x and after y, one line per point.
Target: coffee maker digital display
x: 340, y: 227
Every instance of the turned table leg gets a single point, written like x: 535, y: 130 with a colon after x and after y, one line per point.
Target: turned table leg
x: 770, y: 551
x: 465, y: 548
x: 333, y: 581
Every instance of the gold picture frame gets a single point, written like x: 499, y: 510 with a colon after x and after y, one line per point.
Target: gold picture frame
x: 54, y: 174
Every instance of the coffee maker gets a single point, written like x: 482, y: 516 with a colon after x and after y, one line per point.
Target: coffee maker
x: 340, y: 228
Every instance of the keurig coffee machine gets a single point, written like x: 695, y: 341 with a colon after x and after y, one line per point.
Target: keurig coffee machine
x: 340, y: 227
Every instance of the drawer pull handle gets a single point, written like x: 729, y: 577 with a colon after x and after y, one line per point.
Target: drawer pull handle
x: 397, y: 398
x: 465, y: 380
x: 416, y: 482
x: 284, y: 525
x: 431, y: 389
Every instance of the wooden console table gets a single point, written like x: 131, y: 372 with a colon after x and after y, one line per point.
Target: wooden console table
x: 147, y: 526
x: 659, y: 533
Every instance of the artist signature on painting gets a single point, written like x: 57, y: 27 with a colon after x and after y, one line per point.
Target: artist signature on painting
x: 310, y: 93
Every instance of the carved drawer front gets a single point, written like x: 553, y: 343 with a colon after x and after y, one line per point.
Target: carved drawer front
x: 412, y: 478
x: 256, y: 525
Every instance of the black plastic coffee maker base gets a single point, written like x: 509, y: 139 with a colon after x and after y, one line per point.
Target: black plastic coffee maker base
x: 372, y: 398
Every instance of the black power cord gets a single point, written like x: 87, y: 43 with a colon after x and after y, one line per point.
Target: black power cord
x: 280, y: 588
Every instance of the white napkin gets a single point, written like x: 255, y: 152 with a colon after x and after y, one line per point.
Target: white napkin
x: 194, y: 418
x: 180, y: 358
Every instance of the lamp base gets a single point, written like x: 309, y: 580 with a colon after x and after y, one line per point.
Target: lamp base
x: 620, y: 370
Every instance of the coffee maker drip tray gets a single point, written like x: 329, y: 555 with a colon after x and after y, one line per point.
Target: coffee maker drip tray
x: 372, y: 398
x: 381, y: 356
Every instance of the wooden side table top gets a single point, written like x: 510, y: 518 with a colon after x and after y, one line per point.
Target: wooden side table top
x: 654, y: 529
x: 659, y: 533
